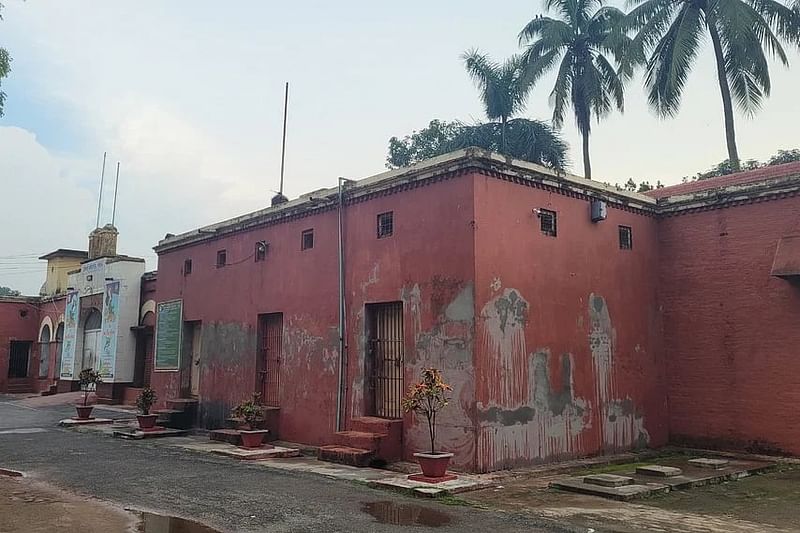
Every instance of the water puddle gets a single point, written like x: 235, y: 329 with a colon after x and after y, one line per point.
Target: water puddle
x: 405, y: 514
x: 156, y: 523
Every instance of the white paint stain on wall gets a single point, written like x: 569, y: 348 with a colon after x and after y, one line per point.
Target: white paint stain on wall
x: 620, y: 425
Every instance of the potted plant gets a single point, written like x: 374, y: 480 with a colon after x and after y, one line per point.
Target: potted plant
x: 147, y: 397
x: 88, y: 380
x: 428, y: 397
x: 251, y: 413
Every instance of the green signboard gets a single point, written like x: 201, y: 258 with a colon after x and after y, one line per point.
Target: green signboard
x: 169, y: 321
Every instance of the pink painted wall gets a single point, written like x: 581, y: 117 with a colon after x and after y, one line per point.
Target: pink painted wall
x: 426, y: 264
x: 568, y: 355
x: 19, y: 321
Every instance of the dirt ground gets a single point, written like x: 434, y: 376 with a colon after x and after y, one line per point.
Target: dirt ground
x: 762, y: 503
x: 31, y: 507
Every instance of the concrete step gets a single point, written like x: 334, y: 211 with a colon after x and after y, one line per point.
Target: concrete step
x: 181, y: 403
x: 359, y: 439
x: 391, y: 443
x: 345, y: 455
x: 373, y: 424
x: 231, y: 436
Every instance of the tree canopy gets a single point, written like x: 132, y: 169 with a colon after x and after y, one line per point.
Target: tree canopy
x: 8, y: 291
x: 583, y: 41
x: 743, y: 34
x: 530, y: 140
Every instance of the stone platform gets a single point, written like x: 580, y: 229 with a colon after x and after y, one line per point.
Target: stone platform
x: 72, y: 422
x: 658, y: 479
x: 254, y: 454
x: 157, y: 432
x: 404, y: 483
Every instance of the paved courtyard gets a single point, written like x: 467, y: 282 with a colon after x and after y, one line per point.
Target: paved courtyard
x: 227, y: 494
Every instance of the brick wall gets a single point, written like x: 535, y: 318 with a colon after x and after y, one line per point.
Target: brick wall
x: 731, y: 331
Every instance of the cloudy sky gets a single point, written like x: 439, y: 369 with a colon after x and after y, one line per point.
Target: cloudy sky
x: 188, y: 96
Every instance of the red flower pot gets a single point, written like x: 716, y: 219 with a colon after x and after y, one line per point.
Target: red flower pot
x: 84, y: 411
x: 252, y: 439
x: 146, y: 422
x: 433, y: 464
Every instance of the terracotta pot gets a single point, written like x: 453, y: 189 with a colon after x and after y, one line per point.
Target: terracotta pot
x: 84, y: 411
x: 146, y: 421
x: 252, y: 439
x: 433, y: 464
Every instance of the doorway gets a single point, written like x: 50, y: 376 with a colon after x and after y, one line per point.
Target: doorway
x: 19, y: 359
x: 192, y: 350
x: 385, y: 359
x: 91, y: 339
x: 270, y: 350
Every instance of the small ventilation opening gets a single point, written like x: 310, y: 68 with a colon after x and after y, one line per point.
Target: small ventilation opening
x: 547, y: 222
x: 385, y: 224
x: 222, y: 258
x: 625, y: 238
x: 307, y: 239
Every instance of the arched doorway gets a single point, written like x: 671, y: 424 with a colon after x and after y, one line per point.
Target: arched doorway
x: 44, y: 351
x: 91, y: 339
x: 59, y: 344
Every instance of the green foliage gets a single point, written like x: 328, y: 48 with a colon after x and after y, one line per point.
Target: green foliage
x: 8, y: 291
x: 785, y: 156
x: 530, y: 140
x: 743, y: 34
x: 5, y: 68
x: 251, y: 411
x: 428, y: 397
x: 726, y: 167
x: 146, y: 399
x: 578, y: 46
x: 502, y: 92
x: 88, y: 380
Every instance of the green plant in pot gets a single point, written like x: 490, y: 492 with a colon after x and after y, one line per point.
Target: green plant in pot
x: 88, y: 380
x: 427, y: 397
x: 251, y: 414
x: 146, y: 399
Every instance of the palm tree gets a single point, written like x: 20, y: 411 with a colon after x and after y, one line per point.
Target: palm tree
x: 502, y: 94
x: 580, y: 40
x: 741, y: 31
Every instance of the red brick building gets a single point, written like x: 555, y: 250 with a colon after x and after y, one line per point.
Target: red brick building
x: 570, y: 317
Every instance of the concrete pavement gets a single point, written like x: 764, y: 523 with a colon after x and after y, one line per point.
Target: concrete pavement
x: 226, y: 494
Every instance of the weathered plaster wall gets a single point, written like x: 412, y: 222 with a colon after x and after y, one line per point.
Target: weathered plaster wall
x: 19, y: 321
x: 436, y: 290
x: 568, y: 355
x: 428, y: 265
x: 731, y: 330
x: 301, y: 284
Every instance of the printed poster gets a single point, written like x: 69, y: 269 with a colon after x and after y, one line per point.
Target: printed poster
x: 70, y: 335
x: 109, y: 330
x: 169, y: 316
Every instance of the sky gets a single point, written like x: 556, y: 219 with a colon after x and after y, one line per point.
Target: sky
x: 188, y: 96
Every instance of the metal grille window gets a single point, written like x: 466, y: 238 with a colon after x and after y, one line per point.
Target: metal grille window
x: 261, y: 251
x: 222, y: 258
x: 385, y: 224
x: 625, y: 238
x: 307, y: 239
x: 385, y: 361
x: 187, y: 267
x: 547, y: 222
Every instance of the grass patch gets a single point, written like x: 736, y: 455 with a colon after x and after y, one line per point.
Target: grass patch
x: 449, y: 499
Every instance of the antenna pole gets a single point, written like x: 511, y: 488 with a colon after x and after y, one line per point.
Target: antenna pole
x: 283, y: 143
x: 100, y: 199
x: 116, y: 185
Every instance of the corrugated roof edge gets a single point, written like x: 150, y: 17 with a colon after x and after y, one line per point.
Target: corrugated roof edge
x: 457, y: 160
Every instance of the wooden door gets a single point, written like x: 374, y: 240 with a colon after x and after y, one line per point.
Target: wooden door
x: 196, y: 350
